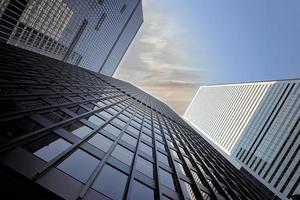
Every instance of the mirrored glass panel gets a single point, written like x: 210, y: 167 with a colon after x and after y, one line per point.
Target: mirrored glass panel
x: 96, y: 120
x: 112, y: 129
x: 101, y: 142
x: 122, y: 154
x: 129, y: 139
x: 166, y: 178
x: 141, y: 191
x: 110, y: 182
x: 144, y: 166
x: 78, y: 129
x: 146, y: 149
x: 79, y: 165
x: 48, y: 147
x: 162, y: 158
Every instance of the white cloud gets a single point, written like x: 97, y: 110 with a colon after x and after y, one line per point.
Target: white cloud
x: 156, y: 61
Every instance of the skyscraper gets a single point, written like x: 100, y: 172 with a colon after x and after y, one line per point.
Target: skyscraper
x: 257, y: 125
x: 93, y: 34
x: 67, y: 132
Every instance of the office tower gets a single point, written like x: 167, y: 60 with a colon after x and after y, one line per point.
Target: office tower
x: 93, y: 34
x: 67, y: 132
x: 257, y: 125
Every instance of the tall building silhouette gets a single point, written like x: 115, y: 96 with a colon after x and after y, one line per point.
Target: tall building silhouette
x: 93, y: 34
x: 257, y: 125
x: 70, y: 133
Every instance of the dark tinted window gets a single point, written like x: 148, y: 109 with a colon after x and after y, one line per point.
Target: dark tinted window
x: 56, y: 116
x: 141, y: 191
x: 133, y: 130
x: 77, y: 109
x: 111, y: 182
x: 160, y: 145
x: 96, y: 120
x: 101, y: 142
x: 78, y: 129
x: 18, y: 127
x: 162, y: 158
x: 146, y: 137
x: 120, y: 122
x: 144, y: 166
x: 122, y: 154
x: 146, y: 149
x: 187, y: 190
x: 80, y: 165
x: 112, y: 129
x: 166, y: 178
x: 129, y: 139
x: 48, y: 147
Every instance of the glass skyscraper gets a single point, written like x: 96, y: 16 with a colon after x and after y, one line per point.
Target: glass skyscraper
x: 93, y: 34
x: 257, y: 125
x: 71, y: 133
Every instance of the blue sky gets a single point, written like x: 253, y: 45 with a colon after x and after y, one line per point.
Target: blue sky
x: 242, y: 40
x: 216, y: 42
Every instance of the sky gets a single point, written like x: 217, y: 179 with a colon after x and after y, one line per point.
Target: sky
x: 184, y: 44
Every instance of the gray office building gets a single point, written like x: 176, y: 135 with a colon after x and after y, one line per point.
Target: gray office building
x: 93, y: 34
x: 257, y: 125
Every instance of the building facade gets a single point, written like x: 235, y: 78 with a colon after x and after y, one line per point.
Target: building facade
x: 70, y: 133
x: 257, y: 125
x: 93, y: 34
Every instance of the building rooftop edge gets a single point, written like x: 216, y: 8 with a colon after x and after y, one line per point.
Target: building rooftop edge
x: 252, y: 82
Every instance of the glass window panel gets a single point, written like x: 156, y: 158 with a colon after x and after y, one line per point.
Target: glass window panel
x: 141, y: 191
x: 124, y: 117
x: 133, y: 130
x: 112, y: 129
x: 187, y: 190
x: 146, y: 149
x: 101, y: 104
x: 166, y: 179
x: 80, y: 165
x: 146, y: 137
x: 187, y: 160
x: 162, y: 158
x: 174, y: 153
x: 170, y: 144
x: 91, y: 106
x: 179, y: 167
x: 158, y: 137
x: 105, y: 114
x: 110, y: 182
x: 18, y: 127
x: 160, y: 145
x: 129, y: 139
x: 165, y: 198
x: 77, y: 109
x: 78, y: 129
x: 48, y: 147
x: 205, y: 195
x: 101, y: 142
x: 148, y: 131
x: 96, y: 120
x: 134, y: 123
x: 144, y: 166
x: 122, y: 154
x: 56, y: 116
x: 119, y: 122
x: 196, y: 177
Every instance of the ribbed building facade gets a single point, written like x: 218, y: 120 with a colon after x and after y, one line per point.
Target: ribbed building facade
x: 257, y: 124
x: 70, y: 133
x: 93, y: 34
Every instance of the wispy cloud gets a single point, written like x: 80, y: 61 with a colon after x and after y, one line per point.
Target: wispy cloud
x: 157, y: 63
